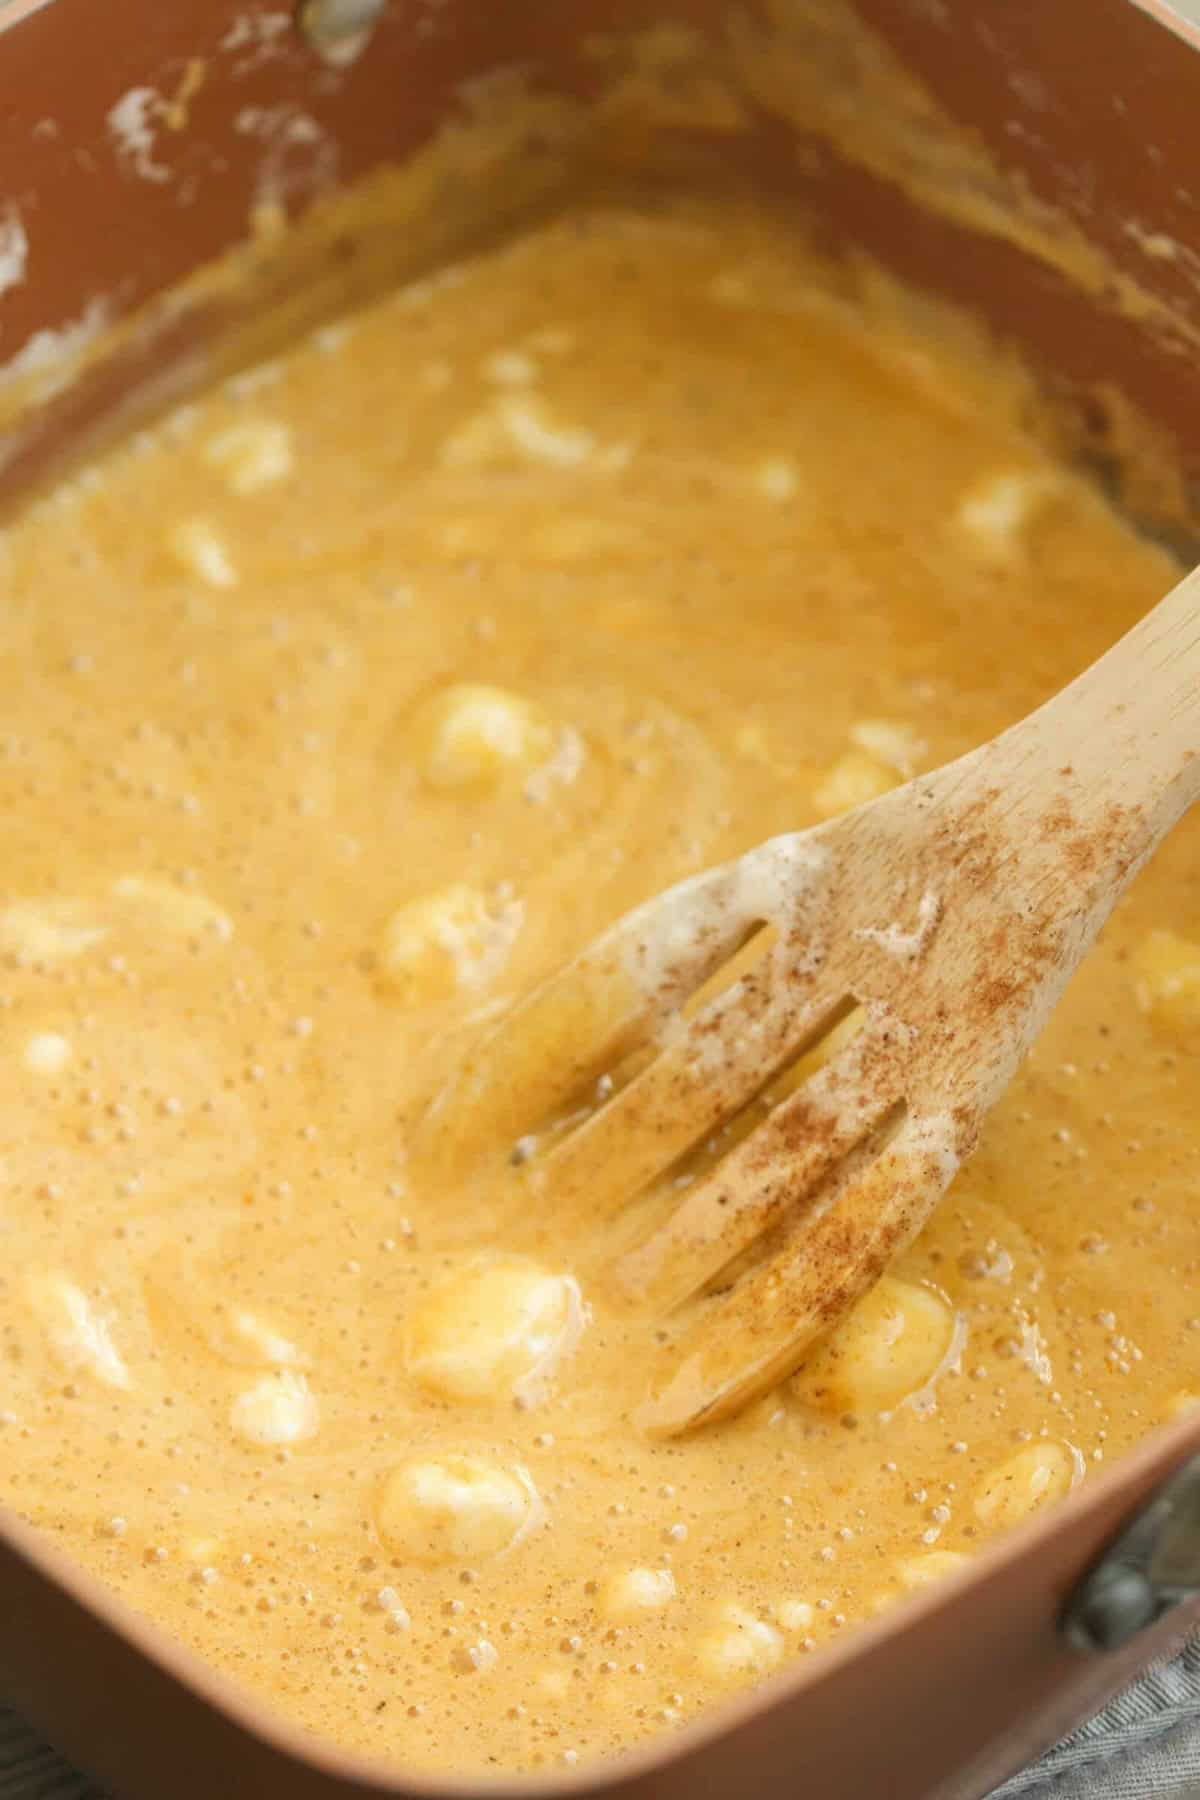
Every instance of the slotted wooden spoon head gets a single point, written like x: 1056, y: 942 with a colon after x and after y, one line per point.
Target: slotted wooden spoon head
x: 841, y: 1171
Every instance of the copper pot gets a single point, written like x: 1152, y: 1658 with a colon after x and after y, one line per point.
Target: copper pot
x: 139, y: 141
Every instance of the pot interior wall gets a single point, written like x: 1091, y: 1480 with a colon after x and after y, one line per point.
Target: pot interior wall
x: 977, y: 154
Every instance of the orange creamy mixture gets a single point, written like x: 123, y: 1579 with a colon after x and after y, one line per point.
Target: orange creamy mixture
x: 338, y: 710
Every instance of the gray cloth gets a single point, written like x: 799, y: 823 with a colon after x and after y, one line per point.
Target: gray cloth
x: 1144, y: 1746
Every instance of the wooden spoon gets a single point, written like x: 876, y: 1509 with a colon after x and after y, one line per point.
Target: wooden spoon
x: 949, y: 914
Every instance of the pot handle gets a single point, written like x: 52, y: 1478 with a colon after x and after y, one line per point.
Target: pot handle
x: 1151, y: 1566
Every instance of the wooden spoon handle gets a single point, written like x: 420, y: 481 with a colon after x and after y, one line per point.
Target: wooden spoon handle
x: 1119, y: 747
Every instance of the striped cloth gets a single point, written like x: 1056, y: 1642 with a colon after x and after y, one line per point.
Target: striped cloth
x: 1144, y: 1746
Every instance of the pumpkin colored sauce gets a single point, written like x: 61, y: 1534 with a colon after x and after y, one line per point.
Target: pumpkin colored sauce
x: 337, y: 711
